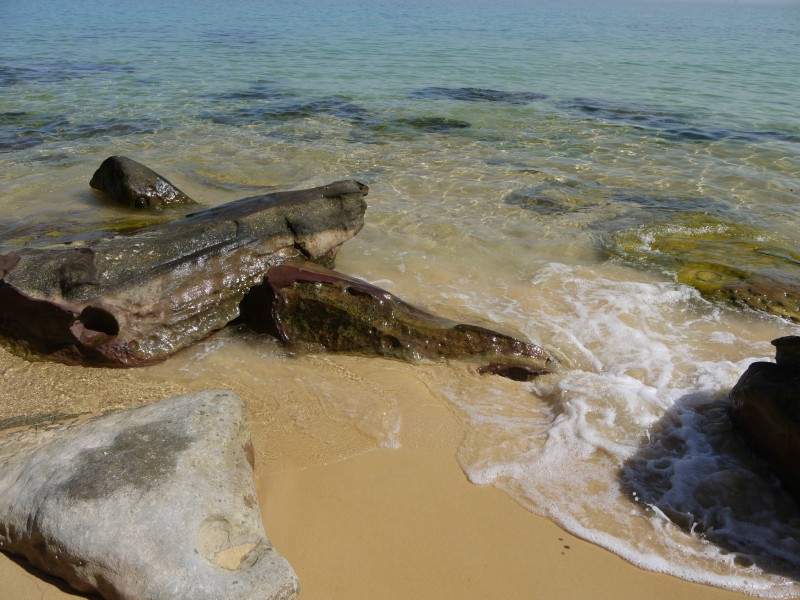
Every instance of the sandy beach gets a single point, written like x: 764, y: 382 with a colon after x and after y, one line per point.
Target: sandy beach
x: 363, y: 522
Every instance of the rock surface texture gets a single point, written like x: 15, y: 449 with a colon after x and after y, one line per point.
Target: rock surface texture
x: 127, y: 300
x: 135, y: 185
x: 152, y: 503
x: 765, y: 408
x: 305, y: 303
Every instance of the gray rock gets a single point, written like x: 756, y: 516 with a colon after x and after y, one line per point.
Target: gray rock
x: 149, y: 503
x: 135, y: 185
x: 129, y: 300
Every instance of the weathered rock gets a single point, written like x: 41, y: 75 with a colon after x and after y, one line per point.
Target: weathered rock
x: 151, y: 503
x: 132, y: 184
x: 765, y: 408
x: 314, y: 305
x: 131, y: 299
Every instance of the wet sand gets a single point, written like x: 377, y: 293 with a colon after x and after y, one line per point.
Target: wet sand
x: 364, y: 522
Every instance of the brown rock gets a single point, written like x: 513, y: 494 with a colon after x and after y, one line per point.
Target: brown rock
x: 127, y: 300
x: 305, y: 303
x: 765, y: 409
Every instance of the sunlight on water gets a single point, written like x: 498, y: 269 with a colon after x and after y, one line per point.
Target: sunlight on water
x: 556, y: 169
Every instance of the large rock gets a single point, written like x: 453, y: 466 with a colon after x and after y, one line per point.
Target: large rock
x: 127, y: 300
x: 305, y: 303
x: 152, y: 503
x: 135, y: 185
x: 765, y: 408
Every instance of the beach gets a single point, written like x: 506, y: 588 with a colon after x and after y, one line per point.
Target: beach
x: 356, y: 521
x: 615, y: 181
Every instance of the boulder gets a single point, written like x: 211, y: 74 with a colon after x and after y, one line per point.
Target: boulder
x: 132, y: 184
x: 765, y: 409
x: 126, y: 300
x: 149, y: 503
x: 304, y: 303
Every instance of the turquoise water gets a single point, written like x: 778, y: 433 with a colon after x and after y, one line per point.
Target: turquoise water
x: 537, y: 164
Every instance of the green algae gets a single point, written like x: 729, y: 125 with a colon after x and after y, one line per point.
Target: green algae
x: 729, y: 262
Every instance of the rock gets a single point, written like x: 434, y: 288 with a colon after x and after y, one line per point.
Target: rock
x: 132, y: 184
x: 126, y: 300
x: 765, y: 409
x: 739, y: 264
x: 149, y: 503
x: 314, y: 305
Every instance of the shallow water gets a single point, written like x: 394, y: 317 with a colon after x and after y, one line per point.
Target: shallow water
x: 531, y: 164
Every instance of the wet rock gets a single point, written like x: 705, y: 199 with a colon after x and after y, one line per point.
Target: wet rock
x: 725, y: 261
x: 312, y: 305
x: 154, y: 502
x: 126, y: 300
x: 135, y: 185
x: 765, y: 409
x: 471, y: 94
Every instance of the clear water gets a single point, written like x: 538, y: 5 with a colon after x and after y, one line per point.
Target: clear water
x: 619, y: 116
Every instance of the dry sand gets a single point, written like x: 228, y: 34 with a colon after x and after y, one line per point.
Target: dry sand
x: 392, y: 523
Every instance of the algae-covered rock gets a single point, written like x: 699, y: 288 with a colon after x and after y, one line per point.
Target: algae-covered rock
x: 728, y: 262
x: 314, y: 305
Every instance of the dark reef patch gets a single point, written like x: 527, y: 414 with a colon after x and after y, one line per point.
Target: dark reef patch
x: 57, y: 71
x: 672, y: 125
x: 259, y: 90
x: 284, y: 110
x: 20, y: 129
x: 470, y: 94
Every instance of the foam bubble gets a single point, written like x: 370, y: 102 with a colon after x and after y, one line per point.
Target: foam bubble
x: 633, y: 449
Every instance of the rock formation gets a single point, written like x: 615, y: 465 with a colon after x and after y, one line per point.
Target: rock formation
x: 765, y: 408
x: 132, y: 184
x: 149, y: 503
x: 127, y: 300
x: 304, y: 303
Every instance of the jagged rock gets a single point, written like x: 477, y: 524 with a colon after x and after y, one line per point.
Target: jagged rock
x: 314, y: 305
x: 765, y: 409
x: 133, y: 184
x: 151, y: 503
x: 127, y: 300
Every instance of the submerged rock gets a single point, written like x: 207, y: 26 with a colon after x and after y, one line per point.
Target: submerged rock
x: 671, y: 125
x: 470, y: 94
x: 154, y: 502
x: 314, y: 305
x: 135, y: 185
x: 765, y: 409
x: 127, y: 300
x: 724, y: 261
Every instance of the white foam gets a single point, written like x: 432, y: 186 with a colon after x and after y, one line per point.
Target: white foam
x: 636, y: 438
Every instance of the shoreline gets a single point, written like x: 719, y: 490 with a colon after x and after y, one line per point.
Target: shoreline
x: 399, y: 523
x: 405, y: 523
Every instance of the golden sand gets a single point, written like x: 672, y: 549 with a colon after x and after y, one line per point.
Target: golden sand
x: 357, y: 521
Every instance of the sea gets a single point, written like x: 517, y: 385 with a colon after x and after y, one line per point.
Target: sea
x: 568, y: 170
